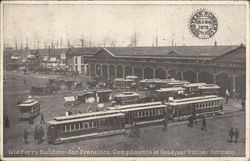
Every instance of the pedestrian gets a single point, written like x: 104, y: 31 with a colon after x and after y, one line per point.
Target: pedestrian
x: 231, y: 134
x: 165, y: 124
x: 204, y: 124
x: 195, y: 118
x: 243, y: 104
x: 41, y: 134
x: 227, y: 95
x: 42, y: 118
x: 25, y: 136
x: 36, y: 133
x: 70, y: 113
x: 236, y: 135
x: 31, y: 121
x: 38, y: 136
x: 234, y: 94
x: 7, y: 123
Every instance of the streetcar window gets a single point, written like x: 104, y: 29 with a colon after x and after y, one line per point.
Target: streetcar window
x: 73, y: 127
x: 159, y: 111
x: 82, y: 125
x: 90, y: 124
x: 77, y: 126
x: 68, y: 128
x: 86, y: 125
x: 93, y: 124
x: 63, y: 128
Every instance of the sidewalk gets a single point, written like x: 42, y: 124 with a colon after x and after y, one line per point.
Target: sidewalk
x: 232, y: 105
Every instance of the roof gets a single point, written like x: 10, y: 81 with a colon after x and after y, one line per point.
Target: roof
x: 28, y: 102
x: 195, y: 101
x: 126, y: 94
x: 134, y: 105
x: 238, y: 55
x: 87, y: 51
x: 209, y: 86
x: 142, y: 108
x: 170, y: 89
x: 194, y: 84
x: 69, y: 99
x: 55, y: 122
x: 83, y: 115
x: 170, y: 51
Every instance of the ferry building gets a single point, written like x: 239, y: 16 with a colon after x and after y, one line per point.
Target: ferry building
x: 221, y: 65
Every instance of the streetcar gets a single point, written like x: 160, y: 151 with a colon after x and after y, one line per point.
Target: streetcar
x: 181, y: 109
x: 126, y: 98
x: 29, y: 108
x: 123, y: 83
x: 143, y: 114
x: 177, y: 83
x: 209, y: 89
x: 163, y: 94
x: 193, y: 88
x: 85, y: 126
x: 87, y: 96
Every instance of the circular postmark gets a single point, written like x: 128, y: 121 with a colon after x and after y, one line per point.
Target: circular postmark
x: 203, y: 24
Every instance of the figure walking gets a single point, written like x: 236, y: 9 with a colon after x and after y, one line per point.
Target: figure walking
x: 7, y: 123
x: 41, y: 134
x: 36, y: 133
x: 42, y: 119
x: 204, y: 124
x: 25, y: 136
x: 231, y: 134
x: 236, y: 135
x: 243, y: 104
x: 227, y: 95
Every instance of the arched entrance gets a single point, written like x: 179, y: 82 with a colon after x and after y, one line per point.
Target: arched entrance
x: 92, y: 70
x: 173, y: 73
x: 128, y: 71
x: 224, y: 81
x: 240, y: 86
x: 119, y: 71
x: 112, y: 72
x: 190, y: 76
x: 206, y: 77
x: 148, y: 73
x: 160, y: 73
x: 104, y: 72
x: 138, y: 72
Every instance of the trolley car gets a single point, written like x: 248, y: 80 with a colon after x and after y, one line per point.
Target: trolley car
x: 126, y: 98
x: 145, y: 114
x: 181, y: 109
x: 163, y: 94
x: 123, y: 83
x: 85, y: 126
x: 209, y: 89
x: 29, y: 108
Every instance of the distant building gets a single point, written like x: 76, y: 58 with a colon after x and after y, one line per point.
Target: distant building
x: 76, y: 56
x: 221, y: 65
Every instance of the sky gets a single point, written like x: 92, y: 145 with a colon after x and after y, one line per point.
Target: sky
x: 104, y: 24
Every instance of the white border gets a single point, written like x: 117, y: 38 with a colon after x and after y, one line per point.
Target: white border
x: 135, y: 2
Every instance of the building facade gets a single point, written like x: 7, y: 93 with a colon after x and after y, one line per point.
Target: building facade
x: 221, y: 65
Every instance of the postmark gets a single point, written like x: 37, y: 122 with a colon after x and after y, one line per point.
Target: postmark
x: 203, y: 24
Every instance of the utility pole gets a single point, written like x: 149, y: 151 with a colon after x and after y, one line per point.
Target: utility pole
x: 27, y: 44
x: 156, y: 38
x: 15, y: 42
